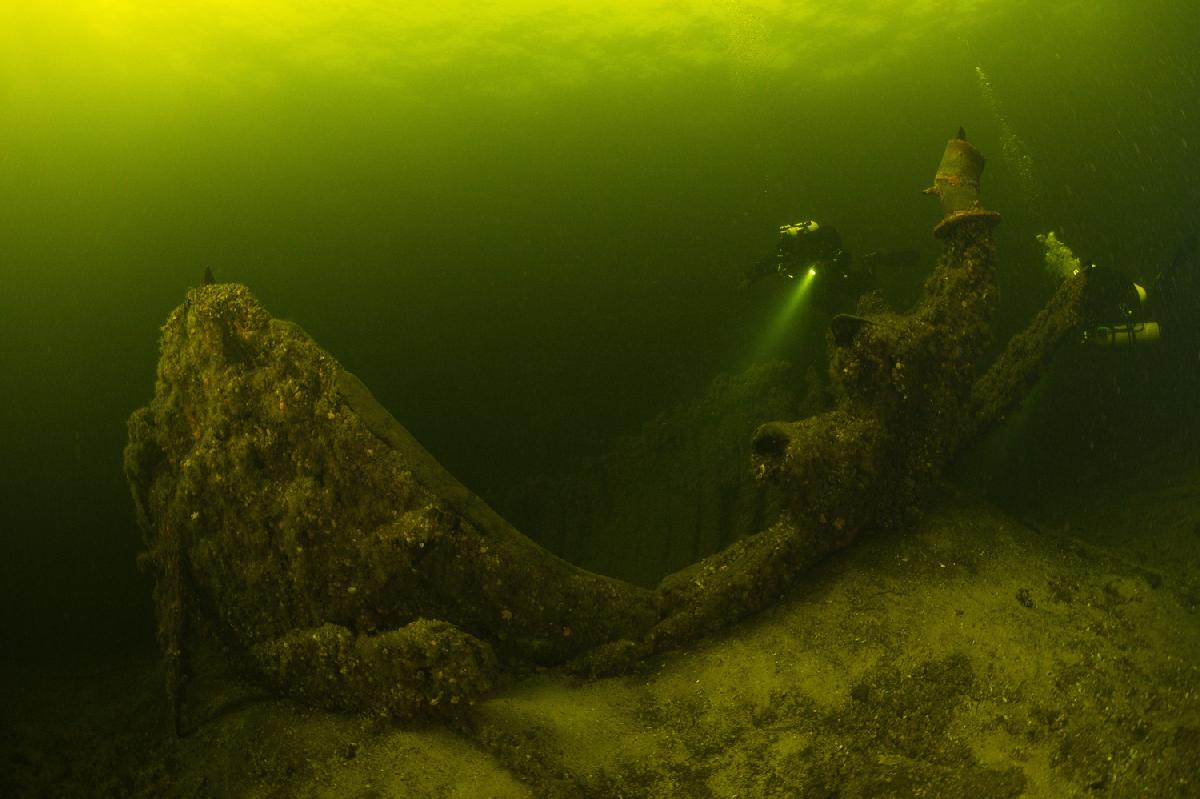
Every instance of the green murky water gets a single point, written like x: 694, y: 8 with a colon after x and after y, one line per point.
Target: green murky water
x: 525, y: 224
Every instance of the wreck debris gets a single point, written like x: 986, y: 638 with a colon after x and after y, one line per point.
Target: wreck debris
x: 906, y: 401
x: 324, y: 539
x: 280, y: 500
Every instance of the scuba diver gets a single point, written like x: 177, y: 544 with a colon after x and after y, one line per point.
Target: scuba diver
x: 1118, y: 312
x: 808, y: 249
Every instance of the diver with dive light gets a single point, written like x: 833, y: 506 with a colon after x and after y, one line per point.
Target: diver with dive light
x: 1118, y: 312
x: 810, y: 250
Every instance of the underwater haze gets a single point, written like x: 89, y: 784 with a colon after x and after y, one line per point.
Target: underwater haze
x: 524, y: 224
